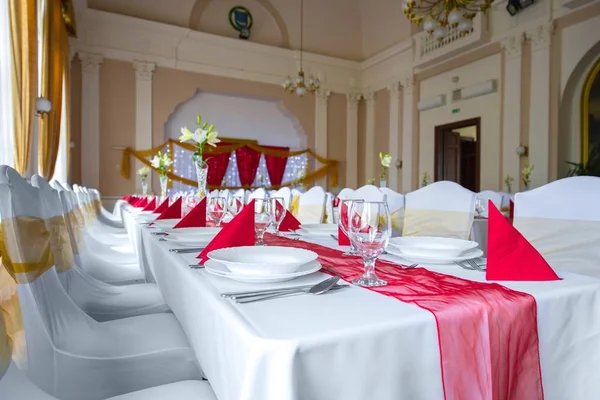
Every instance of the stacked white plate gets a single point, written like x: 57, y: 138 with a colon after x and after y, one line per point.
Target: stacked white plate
x: 318, y: 229
x: 191, y: 237
x: 261, y: 264
x: 166, y: 223
x: 433, y: 250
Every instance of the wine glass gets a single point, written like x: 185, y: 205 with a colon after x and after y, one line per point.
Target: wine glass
x: 262, y: 219
x: 236, y: 203
x: 481, y: 207
x: 370, y: 229
x: 344, y: 214
x: 217, y: 208
x: 278, y: 211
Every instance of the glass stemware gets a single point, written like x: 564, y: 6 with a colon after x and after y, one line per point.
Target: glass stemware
x: 217, y: 209
x: 262, y: 219
x: 370, y: 229
x: 481, y: 208
x: 277, y: 210
x: 344, y: 214
x: 236, y: 203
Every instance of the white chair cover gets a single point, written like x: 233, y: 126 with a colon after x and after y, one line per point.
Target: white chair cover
x: 286, y: 194
x: 311, y: 206
x: 14, y: 385
x: 101, y: 301
x: 562, y: 221
x: 440, y: 209
x: 347, y: 194
x: 506, y: 198
x: 495, y: 197
x: 257, y: 194
x: 328, y: 217
x: 369, y: 193
x: 395, y: 202
x: 70, y: 355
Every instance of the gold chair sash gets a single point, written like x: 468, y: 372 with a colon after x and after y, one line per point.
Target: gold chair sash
x: 5, y: 348
x: 295, y: 205
x: 452, y: 224
x: 397, y: 217
x: 310, y: 213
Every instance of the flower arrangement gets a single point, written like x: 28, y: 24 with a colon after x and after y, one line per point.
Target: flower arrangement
x: 371, y: 181
x: 161, y: 162
x: 143, y: 172
x: 203, y: 135
x: 526, y: 175
x: 508, y: 181
x: 425, y: 179
x: 386, y: 162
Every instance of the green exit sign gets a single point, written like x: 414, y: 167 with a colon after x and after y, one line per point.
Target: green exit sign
x: 455, y: 110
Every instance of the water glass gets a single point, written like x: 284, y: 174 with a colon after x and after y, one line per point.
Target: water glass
x: 344, y: 214
x: 481, y: 208
x: 370, y: 229
x: 236, y: 203
x: 262, y: 219
x: 217, y: 209
x: 278, y: 211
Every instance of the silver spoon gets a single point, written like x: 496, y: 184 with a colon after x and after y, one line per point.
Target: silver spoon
x: 317, y: 289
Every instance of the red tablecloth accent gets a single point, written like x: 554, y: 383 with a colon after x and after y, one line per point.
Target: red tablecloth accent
x: 487, y: 333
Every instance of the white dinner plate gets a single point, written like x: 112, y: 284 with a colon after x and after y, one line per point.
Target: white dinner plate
x: 263, y: 260
x: 216, y: 268
x: 205, y: 231
x: 189, y: 241
x: 469, y: 255
x: 427, y: 246
x: 166, y: 223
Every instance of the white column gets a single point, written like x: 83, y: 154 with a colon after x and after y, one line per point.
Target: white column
x: 352, y: 100
x: 394, y: 135
x: 407, y: 134
x: 539, y: 108
x: 90, y: 119
x: 321, y: 127
x: 370, y: 138
x: 143, y: 113
x: 511, y: 117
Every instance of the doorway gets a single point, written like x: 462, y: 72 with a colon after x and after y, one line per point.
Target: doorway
x: 457, y: 147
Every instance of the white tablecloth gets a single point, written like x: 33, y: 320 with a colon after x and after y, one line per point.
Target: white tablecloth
x: 355, y: 344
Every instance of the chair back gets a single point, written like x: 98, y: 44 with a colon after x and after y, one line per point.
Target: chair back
x: 369, y: 193
x: 257, y: 194
x: 442, y: 208
x: 347, y: 194
x: 311, y: 206
x: 286, y: 194
x: 562, y: 221
x: 395, y: 202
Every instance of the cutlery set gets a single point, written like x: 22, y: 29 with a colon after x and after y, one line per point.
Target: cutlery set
x: 268, y: 294
x: 472, y: 265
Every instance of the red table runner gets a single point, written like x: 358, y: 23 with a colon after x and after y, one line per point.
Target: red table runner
x: 487, y: 333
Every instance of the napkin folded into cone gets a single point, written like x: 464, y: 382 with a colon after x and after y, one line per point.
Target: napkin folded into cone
x: 162, y: 207
x: 172, y: 212
x: 510, y: 257
x: 196, y: 218
x: 238, y: 232
x: 289, y: 222
x: 150, y: 206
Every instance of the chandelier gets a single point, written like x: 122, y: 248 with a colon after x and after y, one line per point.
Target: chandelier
x: 300, y: 84
x: 440, y: 15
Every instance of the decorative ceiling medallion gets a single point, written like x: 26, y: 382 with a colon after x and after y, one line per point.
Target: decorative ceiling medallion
x: 240, y: 19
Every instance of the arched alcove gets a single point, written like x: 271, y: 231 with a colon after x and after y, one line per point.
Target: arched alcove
x: 572, y: 125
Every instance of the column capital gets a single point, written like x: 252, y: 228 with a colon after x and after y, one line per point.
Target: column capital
x: 90, y: 62
x: 370, y: 98
x: 143, y: 70
x: 513, y: 44
x: 394, y: 89
x: 352, y: 99
x: 408, y: 84
x: 323, y: 94
x: 541, y: 36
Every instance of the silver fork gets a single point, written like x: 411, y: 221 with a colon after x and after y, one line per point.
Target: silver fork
x: 470, y: 264
x: 476, y: 266
x: 411, y: 266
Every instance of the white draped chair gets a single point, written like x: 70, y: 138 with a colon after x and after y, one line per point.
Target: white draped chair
x: 311, y: 206
x: 506, y: 198
x: 14, y: 384
x: 369, y: 193
x: 104, y: 216
x: 100, y: 261
x: 562, y: 221
x: 70, y: 355
x: 395, y: 202
x: 328, y: 216
x: 101, y: 301
x: 346, y: 194
x: 259, y: 193
x: 442, y: 208
x: 286, y: 194
x: 487, y: 195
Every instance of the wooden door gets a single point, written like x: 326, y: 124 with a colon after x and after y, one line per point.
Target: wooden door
x: 447, y: 159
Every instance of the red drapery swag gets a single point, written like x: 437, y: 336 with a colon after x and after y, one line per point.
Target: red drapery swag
x: 217, y: 166
x: 276, y: 165
x: 247, y: 163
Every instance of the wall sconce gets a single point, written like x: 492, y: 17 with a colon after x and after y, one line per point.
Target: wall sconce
x: 42, y: 105
x: 522, y: 151
x: 398, y: 164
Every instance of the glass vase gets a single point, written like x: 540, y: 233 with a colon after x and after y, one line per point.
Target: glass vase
x: 163, y: 185
x: 144, y: 186
x: 382, y: 183
x: 201, y: 176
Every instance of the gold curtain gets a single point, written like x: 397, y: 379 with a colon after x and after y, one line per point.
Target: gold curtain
x: 23, y: 35
x: 55, y: 39
x: 67, y: 102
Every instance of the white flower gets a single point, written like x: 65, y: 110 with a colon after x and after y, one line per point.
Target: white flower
x: 144, y: 171
x: 203, y: 135
x: 155, y: 162
x: 386, y: 160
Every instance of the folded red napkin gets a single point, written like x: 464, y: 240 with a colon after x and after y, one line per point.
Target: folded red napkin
x: 150, y: 206
x: 142, y: 203
x: 196, y: 218
x: 289, y: 223
x: 336, y: 202
x: 510, y: 256
x: 238, y: 232
x: 126, y: 198
x: 342, y: 237
x: 162, y: 207
x: 174, y: 211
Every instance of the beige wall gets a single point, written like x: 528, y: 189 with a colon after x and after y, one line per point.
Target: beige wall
x: 75, y: 154
x: 336, y: 134
x: 382, y: 128
x: 383, y: 25
x: 117, y: 125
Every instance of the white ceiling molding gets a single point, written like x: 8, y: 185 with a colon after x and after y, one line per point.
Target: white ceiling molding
x: 481, y: 89
x: 431, y: 103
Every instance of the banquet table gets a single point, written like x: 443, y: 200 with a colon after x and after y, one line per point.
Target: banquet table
x: 355, y: 344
